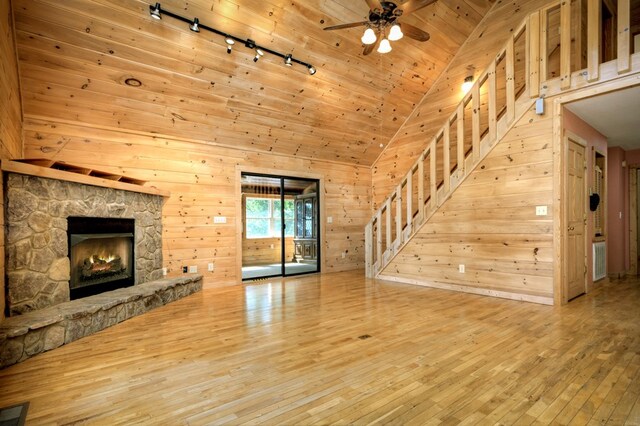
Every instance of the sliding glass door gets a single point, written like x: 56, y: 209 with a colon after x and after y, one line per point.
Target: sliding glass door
x: 281, y: 226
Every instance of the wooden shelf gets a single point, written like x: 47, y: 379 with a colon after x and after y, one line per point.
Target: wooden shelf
x: 63, y: 171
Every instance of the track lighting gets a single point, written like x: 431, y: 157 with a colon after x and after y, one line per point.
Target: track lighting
x: 195, y: 25
x: 385, y: 46
x: 230, y: 42
x: 156, y: 12
x: 395, y: 33
x: 468, y: 84
x: 369, y: 36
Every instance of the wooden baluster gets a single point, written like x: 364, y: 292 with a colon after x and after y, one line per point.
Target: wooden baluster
x: 399, y: 214
x: 432, y: 176
x: 475, y: 125
x: 593, y: 40
x: 421, y: 188
x: 446, y: 160
x: 544, y: 55
x: 460, y: 144
x: 533, y: 46
x: 624, y: 38
x: 388, y: 225
x: 368, y: 250
x: 409, y: 202
x: 565, y: 44
x: 511, y: 84
x: 379, y: 238
x: 493, y: 114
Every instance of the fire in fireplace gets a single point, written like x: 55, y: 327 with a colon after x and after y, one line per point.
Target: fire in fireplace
x: 101, y: 253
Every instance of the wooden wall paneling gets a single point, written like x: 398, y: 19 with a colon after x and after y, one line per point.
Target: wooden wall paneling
x: 102, y: 42
x: 201, y: 179
x: 489, y: 223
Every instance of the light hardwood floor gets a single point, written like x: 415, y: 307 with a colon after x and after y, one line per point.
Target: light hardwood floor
x: 288, y: 351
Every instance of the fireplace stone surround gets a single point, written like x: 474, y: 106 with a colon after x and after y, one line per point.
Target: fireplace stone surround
x: 36, y: 211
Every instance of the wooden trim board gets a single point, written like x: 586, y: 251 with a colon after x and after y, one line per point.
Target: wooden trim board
x: 44, y: 172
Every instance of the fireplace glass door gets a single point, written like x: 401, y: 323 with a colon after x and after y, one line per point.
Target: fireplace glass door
x: 101, y: 254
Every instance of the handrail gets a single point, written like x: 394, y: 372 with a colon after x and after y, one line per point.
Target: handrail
x: 489, y: 110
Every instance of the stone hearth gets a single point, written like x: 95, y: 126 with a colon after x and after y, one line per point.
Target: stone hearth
x: 24, y: 336
x: 37, y: 263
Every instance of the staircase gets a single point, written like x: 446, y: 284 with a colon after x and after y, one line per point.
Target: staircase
x: 526, y: 68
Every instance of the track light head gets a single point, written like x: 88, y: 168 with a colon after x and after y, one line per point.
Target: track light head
x: 155, y: 11
x: 287, y: 60
x: 195, y: 25
x: 259, y: 54
x: 311, y: 69
x: 230, y: 42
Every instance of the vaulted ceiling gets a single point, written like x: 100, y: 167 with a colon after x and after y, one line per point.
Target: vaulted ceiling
x: 75, y: 56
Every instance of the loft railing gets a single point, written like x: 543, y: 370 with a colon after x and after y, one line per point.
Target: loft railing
x: 544, y: 56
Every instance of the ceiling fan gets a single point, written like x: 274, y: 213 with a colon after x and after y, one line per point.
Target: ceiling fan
x: 383, y: 16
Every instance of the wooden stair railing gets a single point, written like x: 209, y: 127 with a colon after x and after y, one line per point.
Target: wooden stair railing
x: 530, y: 66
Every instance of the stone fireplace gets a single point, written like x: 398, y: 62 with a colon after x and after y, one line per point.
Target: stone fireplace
x: 49, y: 220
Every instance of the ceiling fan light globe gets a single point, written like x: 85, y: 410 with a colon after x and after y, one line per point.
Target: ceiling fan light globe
x: 395, y: 33
x: 385, y: 46
x: 369, y: 36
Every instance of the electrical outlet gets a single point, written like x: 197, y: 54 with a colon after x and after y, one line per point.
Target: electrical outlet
x: 193, y: 269
x: 184, y: 269
x: 210, y: 267
x: 164, y: 272
x: 271, y: 246
x: 344, y: 254
x: 461, y: 269
x: 541, y: 210
x: 329, y: 219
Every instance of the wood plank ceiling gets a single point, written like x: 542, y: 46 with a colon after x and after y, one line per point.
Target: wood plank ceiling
x: 75, y: 56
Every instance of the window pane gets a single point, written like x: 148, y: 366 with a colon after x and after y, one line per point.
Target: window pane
x: 276, y: 208
x: 257, y: 208
x: 288, y: 230
x: 289, y: 210
x: 257, y: 228
x: 276, y: 228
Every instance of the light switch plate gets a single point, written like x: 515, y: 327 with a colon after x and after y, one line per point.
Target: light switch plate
x: 210, y: 267
x: 541, y: 210
x: 193, y: 269
x: 329, y: 219
x: 219, y: 219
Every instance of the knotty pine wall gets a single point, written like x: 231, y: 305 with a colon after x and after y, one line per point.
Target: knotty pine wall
x: 261, y: 251
x: 10, y: 113
x: 445, y: 94
x: 202, y: 182
x: 489, y: 224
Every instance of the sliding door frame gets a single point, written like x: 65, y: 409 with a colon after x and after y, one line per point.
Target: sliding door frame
x: 277, y: 173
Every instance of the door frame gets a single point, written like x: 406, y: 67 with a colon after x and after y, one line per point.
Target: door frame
x: 559, y: 166
x: 287, y: 174
x: 566, y: 137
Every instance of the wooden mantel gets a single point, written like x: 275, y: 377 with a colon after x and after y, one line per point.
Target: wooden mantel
x: 63, y: 171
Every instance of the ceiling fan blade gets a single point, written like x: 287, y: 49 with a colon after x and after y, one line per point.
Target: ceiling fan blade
x: 413, y: 5
x: 374, y: 4
x: 368, y: 48
x: 414, y: 32
x: 342, y: 26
